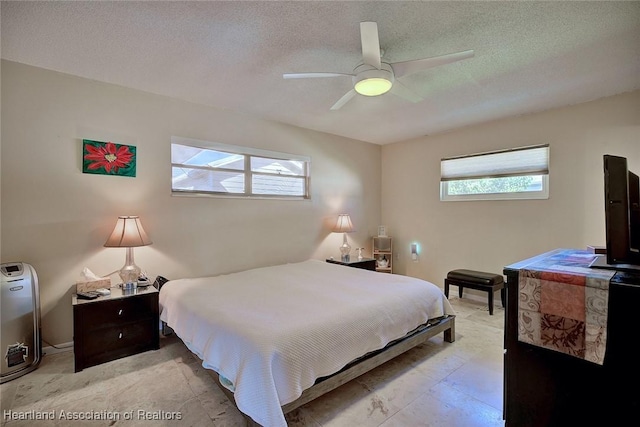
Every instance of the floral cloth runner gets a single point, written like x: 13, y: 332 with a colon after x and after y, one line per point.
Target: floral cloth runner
x: 563, y: 305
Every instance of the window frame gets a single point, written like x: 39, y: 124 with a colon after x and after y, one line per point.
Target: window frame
x: 543, y: 172
x: 247, y: 153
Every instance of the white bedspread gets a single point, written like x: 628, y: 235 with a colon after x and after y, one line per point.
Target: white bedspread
x: 273, y: 331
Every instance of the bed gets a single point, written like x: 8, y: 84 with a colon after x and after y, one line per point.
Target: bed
x: 279, y: 336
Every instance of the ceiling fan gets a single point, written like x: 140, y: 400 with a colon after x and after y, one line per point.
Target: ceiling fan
x: 374, y: 77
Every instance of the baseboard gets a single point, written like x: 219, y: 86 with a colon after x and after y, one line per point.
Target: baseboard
x: 479, y: 296
x: 59, y: 348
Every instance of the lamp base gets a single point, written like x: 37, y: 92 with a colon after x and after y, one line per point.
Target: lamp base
x: 129, y: 273
x: 345, y: 249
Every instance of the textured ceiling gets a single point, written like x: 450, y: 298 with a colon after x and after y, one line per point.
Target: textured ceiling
x: 529, y: 56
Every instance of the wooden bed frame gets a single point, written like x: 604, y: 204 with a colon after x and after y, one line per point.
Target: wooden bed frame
x: 361, y: 365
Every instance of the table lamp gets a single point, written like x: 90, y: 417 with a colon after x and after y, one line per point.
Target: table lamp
x: 345, y: 226
x: 128, y: 233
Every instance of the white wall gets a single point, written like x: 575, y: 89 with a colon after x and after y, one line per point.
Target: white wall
x: 57, y: 218
x: 488, y: 235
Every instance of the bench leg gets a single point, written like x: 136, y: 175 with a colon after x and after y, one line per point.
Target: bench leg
x: 491, y: 302
x: 460, y: 288
x: 446, y: 289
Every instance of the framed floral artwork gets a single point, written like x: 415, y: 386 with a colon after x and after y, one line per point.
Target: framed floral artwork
x: 108, y: 158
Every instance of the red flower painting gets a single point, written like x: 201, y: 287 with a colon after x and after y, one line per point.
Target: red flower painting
x: 109, y: 158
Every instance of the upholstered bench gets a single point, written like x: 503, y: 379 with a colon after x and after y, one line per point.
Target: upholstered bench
x: 481, y: 281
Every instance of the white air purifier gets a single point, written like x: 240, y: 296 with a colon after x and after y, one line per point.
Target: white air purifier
x: 21, y: 340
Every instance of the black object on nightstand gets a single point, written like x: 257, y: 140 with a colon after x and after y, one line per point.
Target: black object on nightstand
x: 115, y: 326
x: 364, y: 263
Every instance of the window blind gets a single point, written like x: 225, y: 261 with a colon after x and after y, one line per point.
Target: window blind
x: 533, y: 160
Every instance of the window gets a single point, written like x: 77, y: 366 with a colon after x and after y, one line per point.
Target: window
x: 519, y: 173
x: 200, y: 167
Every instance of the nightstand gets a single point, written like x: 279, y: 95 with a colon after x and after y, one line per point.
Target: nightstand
x: 115, y: 326
x: 364, y: 263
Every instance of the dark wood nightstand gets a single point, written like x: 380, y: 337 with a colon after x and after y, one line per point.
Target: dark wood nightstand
x: 115, y: 326
x: 364, y: 263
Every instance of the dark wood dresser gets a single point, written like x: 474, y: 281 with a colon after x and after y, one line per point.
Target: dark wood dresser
x: 115, y: 326
x: 543, y: 387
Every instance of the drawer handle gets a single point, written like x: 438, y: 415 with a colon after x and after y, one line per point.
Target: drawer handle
x: 120, y: 336
x: 120, y: 312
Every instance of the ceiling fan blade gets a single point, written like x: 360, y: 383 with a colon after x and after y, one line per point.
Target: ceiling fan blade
x: 409, y: 67
x: 404, y: 92
x: 313, y: 75
x: 345, y: 98
x: 370, y: 43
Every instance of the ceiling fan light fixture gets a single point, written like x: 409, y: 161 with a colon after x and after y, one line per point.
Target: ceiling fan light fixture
x: 373, y: 86
x: 370, y: 81
x: 373, y: 77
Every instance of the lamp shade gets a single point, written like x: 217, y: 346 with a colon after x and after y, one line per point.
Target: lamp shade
x: 344, y: 224
x: 128, y: 233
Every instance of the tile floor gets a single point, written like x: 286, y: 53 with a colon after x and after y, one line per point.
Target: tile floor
x: 435, y: 384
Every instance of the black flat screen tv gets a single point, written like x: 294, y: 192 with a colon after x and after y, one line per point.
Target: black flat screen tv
x: 622, y: 216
